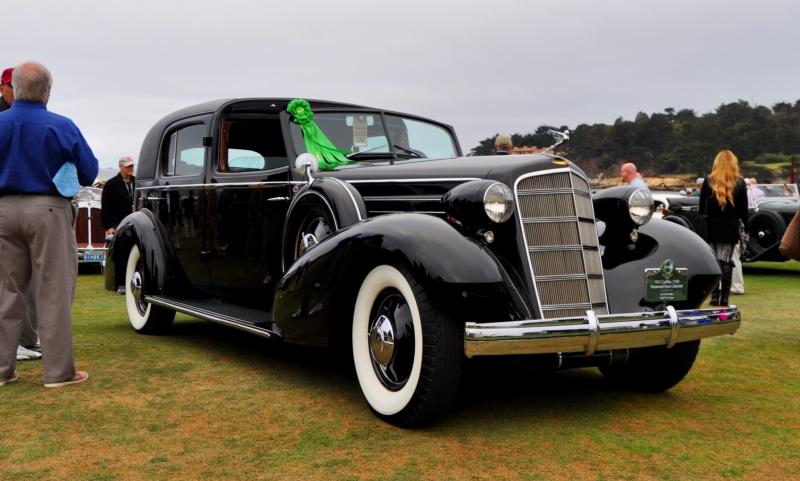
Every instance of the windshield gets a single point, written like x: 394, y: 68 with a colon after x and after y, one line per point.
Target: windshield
x: 362, y: 136
x: 778, y: 190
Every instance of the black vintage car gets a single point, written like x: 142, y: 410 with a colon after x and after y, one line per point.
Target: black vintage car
x: 404, y: 253
x: 768, y: 217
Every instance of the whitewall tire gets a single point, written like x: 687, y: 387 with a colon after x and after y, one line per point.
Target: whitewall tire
x: 145, y: 318
x: 407, y: 355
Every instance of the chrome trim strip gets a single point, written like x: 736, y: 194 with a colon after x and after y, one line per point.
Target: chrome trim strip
x: 559, y: 248
x: 222, y: 184
x: 550, y: 220
x: 563, y: 277
x: 599, y: 332
x: 211, y: 316
x: 353, y: 199
x: 594, y: 334
x: 387, y: 181
x: 434, y: 212
x: 674, y: 325
x: 545, y: 191
x: 387, y: 198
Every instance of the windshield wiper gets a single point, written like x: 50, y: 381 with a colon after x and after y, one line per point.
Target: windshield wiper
x: 413, y: 153
x: 355, y: 155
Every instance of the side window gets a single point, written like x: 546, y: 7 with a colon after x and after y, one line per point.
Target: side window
x: 252, y: 144
x: 185, y: 153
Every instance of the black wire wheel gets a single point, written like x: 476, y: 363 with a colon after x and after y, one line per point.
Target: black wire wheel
x: 144, y: 317
x: 407, y: 354
x: 766, y: 230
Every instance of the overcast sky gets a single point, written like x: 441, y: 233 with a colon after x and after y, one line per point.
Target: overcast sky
x: 482, y: 66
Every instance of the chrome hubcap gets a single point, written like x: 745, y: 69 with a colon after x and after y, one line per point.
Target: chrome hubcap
x: 391, y: 339
x: 381, y: 341
x: 136, y: 286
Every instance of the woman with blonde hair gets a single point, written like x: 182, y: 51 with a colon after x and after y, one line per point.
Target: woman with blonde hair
x: 723, y: 199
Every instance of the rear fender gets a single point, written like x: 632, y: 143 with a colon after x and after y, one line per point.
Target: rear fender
x: 143, y: 230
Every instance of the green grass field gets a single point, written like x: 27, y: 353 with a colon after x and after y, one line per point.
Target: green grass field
x: 211, y: 403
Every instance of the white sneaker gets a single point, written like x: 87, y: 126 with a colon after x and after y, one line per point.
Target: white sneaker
x: 25, y: 354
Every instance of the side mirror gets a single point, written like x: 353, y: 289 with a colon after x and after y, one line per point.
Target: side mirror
x: 307, y: 165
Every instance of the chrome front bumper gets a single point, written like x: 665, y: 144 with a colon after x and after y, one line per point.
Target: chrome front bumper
x: 592, y: 333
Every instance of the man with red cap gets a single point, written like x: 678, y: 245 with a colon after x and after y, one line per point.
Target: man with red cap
x: 29, y: 347
x: 6, y: 90
x: 43, y: 158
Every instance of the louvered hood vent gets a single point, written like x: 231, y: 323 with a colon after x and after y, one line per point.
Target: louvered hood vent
x: 557, y: 219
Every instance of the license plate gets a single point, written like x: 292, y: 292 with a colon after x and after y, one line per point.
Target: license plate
x: 92, y: 257
x: 666, y: 283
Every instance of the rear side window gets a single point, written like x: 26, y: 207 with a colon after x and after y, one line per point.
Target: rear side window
x: 185, y: 152
x: 252, y: 144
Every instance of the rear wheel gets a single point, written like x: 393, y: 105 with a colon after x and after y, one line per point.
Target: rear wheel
x: 766, y: 230
x: 654, y: 369
x: 407, y: 354
x: 145, y: 318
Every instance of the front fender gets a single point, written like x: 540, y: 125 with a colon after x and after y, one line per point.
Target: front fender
x: 142, y: 229
x: 624, y: 266
x: 461, y: 274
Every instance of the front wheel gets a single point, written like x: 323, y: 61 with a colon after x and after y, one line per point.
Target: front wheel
x: 145, y: 318
x: 407, y: 354
x: 654, y: 369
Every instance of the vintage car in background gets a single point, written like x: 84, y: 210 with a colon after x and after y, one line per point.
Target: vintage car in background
x: 89, y: 232
x: 767, y: 219
x: 406, y: 255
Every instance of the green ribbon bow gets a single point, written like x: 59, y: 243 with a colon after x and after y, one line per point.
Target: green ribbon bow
x: 317, y: 143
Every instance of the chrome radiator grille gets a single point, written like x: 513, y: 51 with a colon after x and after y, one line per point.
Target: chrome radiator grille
x: 557, y: 219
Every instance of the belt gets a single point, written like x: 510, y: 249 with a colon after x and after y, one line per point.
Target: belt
x: 20, y: 194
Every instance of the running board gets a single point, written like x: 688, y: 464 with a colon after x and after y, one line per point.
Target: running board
x: 213, y: 316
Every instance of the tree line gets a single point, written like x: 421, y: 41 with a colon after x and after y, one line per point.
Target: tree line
x: 677, y: 142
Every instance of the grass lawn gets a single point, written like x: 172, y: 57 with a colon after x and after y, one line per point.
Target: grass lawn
x: 211, y: 403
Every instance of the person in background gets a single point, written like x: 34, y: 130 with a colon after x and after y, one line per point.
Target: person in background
x: 29, y: 348
x: 631, y: 177
x: 754, y: 194
x: 723, y: 199
x: 503, y: 144
x: 699, y: 183
x: 117, y: 198
x: 6, y: 89
x: 40, y: 255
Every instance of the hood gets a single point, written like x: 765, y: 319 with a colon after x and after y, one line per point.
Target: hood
x: 504, y: 168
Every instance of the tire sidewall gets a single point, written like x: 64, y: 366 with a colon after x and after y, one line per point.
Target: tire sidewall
x: 381, y: 399
x: 138, y: 320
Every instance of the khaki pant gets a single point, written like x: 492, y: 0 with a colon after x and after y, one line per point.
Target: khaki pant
x: 38, y: 260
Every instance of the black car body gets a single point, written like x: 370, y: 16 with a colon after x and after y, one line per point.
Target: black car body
x: 768, y: 216
x: 412, y: 257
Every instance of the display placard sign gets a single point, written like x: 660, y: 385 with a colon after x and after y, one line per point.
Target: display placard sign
x: 666, y: 283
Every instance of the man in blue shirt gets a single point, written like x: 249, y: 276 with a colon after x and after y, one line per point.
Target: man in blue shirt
x: 36, y: 235
x: 631, y: 177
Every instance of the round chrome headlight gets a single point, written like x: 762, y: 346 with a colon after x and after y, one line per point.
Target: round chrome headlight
x: 640, y: 206
x: 498, y: 202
